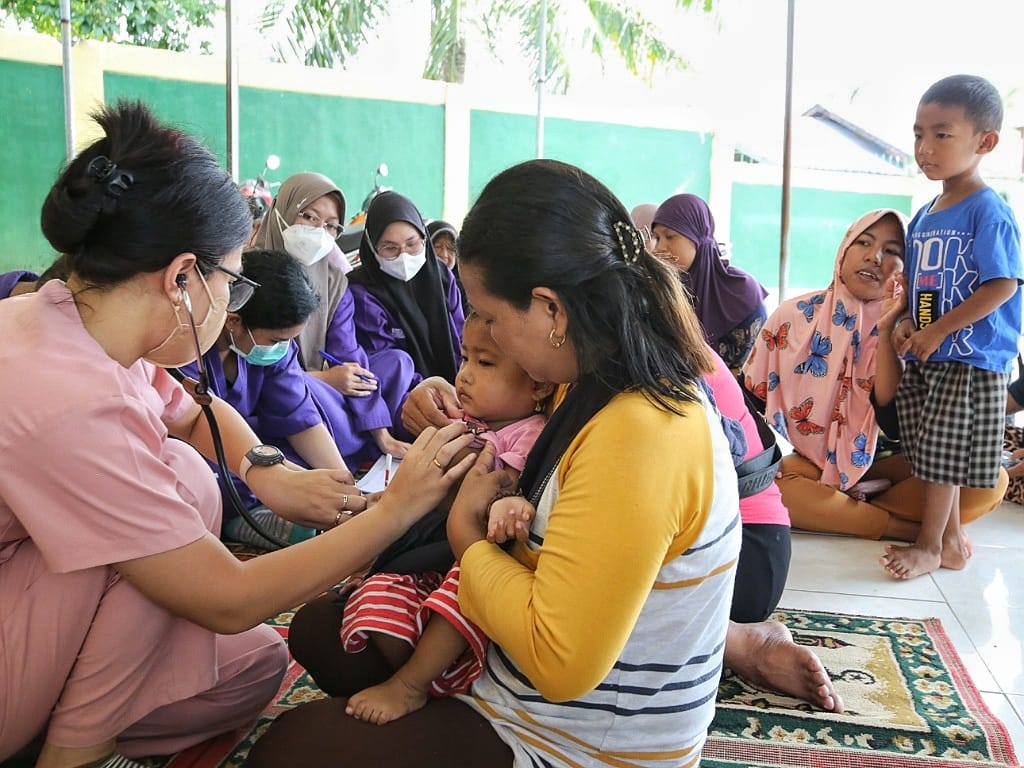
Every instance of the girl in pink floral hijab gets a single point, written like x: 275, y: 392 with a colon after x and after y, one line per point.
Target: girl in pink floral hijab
x: 814, y: 361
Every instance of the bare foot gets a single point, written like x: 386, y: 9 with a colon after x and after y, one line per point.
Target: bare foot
x: 956, y: 550
x: 910, y: 562
x: 967, y: 545
x: 764, y: 654
x: 388, y: 701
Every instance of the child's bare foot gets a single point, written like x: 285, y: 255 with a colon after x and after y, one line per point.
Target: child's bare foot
x: 388, y: 701
x: 763, y: 653
x: 910, y: 562
x: 968, y: 546
x: 956, y: 550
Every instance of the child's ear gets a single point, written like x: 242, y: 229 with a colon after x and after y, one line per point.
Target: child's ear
x: 989, y: 140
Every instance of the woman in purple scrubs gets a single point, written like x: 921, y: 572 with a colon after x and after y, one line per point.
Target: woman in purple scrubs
x: 254, y: 366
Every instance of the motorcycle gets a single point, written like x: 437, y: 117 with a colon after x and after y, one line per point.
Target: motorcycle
x: 259, y: 193
x: 350, y: 238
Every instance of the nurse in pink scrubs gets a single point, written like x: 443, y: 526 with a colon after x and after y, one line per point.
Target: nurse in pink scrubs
x: 124, y: 622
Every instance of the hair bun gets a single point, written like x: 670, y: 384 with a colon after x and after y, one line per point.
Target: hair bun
x: 70, y: 213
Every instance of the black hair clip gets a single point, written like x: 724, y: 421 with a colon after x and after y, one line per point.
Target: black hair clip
x: 106, y: 172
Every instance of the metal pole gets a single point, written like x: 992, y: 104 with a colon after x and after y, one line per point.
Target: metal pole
x: 69, y: 109
x: 232, y: 89
x: 786, y: 159
x: 541, y: 74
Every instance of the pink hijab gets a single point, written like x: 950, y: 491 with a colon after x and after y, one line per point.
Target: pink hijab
x: 814, y: 366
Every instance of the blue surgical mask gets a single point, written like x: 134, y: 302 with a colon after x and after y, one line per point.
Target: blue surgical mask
x: 261, y: 354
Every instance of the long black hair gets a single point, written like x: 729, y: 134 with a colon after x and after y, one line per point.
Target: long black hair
x: 140, y: 196
x: 547, y: 223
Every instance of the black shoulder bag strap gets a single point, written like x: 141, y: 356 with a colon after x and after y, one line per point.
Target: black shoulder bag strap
x: 758, y: 472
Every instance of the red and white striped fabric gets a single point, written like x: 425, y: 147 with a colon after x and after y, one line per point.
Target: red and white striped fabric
x: 400, y: 605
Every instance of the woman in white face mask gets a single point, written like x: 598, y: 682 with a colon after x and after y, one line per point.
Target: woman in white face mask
x: 407, y: 301
x: 305, y: 220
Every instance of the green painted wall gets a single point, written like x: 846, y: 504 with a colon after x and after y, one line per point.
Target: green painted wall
x: 31, y: 156
x: 347, y: 138
x: 638, y: 164
x: 344, y: 138
x: 818, y: 221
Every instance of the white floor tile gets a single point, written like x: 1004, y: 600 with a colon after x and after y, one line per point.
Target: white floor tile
x: 850, y: 566
x: 1004, y: 709
x: 1018, y: 704
x: 994, y: 575
x: 997, y: 632
x: 1002, y: 527
x: 863, y: 605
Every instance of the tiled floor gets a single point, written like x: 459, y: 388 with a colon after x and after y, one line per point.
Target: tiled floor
x: 981, y: 608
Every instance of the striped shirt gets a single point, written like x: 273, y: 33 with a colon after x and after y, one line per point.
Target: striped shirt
x: 609, y: 625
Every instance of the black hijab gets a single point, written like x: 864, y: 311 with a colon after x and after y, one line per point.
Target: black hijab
x: 419, y: 306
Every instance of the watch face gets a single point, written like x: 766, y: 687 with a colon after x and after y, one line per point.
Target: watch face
x: 265, y: 455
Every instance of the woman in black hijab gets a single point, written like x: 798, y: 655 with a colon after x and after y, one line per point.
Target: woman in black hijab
x: 407, y: 302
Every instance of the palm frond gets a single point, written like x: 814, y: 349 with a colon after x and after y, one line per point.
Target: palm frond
x: 446, y: 56
x: 626, y: 31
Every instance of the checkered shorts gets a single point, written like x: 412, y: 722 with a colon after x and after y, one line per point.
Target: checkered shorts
x: 951, y: 422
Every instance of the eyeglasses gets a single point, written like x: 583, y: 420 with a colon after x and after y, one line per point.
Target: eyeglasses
x: 240, y: 289
x: 334, y: 229
x: 391, y: 251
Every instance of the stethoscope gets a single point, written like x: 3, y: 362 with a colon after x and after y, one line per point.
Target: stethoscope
x: 199, y: 390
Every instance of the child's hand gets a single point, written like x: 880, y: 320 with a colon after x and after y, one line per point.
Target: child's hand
x: 894, y: 303
x: 901, y: 333
x: 509, y: 518
x: 921, y: 344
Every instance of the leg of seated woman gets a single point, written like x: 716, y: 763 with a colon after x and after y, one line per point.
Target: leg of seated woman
x: 814, y: 506
x: 904, y: 500
x: 250, y: 666
x: 320, y: 735
x: 50, y: 615
x: 314, y: 639
x: 760, y: 572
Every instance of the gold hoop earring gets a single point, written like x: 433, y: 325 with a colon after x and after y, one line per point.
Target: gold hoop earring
x: 555, y: 342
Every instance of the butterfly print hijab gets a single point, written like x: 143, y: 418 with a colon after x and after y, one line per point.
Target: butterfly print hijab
x: 814, y: 366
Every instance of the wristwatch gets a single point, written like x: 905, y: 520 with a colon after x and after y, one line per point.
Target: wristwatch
x: 260, y: 456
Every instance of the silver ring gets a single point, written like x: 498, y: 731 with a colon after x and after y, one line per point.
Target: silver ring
x: 344, y: 502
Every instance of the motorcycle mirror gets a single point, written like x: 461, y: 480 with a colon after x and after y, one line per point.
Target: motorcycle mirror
x: 273, y: 162
x: 382, y: 169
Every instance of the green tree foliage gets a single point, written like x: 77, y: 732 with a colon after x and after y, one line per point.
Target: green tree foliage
x: 153, y: 23
x: 328, y: 33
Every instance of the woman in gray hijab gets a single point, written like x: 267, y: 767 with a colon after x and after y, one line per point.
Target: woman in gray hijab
x: 305, y: 220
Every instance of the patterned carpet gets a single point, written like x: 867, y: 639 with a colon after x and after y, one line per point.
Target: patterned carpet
x: 909, y: 703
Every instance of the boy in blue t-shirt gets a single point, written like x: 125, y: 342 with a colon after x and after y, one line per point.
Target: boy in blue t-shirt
x: 960, y: 336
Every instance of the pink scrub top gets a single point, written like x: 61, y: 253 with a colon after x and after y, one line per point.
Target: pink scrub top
x: 89, y: 473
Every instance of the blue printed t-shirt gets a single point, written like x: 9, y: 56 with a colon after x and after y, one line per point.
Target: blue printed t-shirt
x: 950, y: 253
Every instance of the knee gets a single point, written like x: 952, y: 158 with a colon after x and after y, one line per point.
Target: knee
x: 315, y: 630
